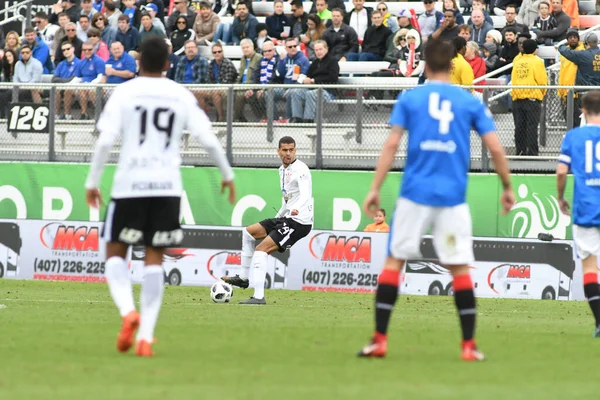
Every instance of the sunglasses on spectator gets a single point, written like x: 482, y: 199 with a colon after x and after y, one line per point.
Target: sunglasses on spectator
x: 181, y: 23
x: 217, y: 51
x: 291, y: 47
x: 70, y: 30
x: 402, y: 37
x: 25, y: 52
x: 265, y: 51
x: 66, y: 48
x: 88, y: 49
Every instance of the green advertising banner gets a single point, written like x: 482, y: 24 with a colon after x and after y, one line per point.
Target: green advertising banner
x: 56, y: 192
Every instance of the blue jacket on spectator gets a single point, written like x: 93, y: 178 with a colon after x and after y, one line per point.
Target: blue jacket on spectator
x: 587, y: 73
x: 90, y: 68
x: 242, y: 30
x: 199, y: 66
x: 41, y: 52
x: 109, y: 35
x: 125, y: 63
x: 130, y: 39
x: 286, y: 67
x: 66, y: 69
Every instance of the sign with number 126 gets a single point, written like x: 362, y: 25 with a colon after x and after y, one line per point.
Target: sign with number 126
x: 28, y: 117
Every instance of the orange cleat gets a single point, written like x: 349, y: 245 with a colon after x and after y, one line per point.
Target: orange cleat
x: 377, y: 347
x: 470, y: 352
x: 131, y: 322
x: 144, y: 348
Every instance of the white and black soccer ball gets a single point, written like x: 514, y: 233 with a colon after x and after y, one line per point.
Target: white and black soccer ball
x: 221, y: 292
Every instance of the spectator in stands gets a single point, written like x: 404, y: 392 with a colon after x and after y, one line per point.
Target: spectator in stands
x: 127, y: 35
x: 528, y: 12
x: 181, y: 9
x: 480, y: 5
x: 374, y: 43
x: 39, y: 49
x: 288, y: 70
x: 151, y: 8
x: 529, y: 70
x: 490, y: 56
x: 360, y: 18
x: 100, y: 47
x: 191, y: 67
x: 480, y: 27
x: 298, y: 19
x: 430, y: 20
x: 323, y: 13
x: 220, y: 71
x: 510, y: 14
x: 107, y: 32
x: 509, y: 51
x: 82, y: 27
x: 331, y: 4
x: 120, y: 66
x: 87, y: 9
x: 567, y: 74
x: 181, y: 35
x: 13, y: 41
x: 473, y: 57
x: 462, y: 73
x: 134, y: 13
x: 71, y: 37
x: 249, y: 64
x: 45, y: 30
x: 448, y: 29
x: 341, y: 38
x: 206, y: 24
x: 9, y: 61
x: 563, y: 22
x: 465, y: 31
x: 220, y: 7
x: 159, y: 11
x: 173, y: 59
x: 315, y: 32
x: 63, y: 20
x: 244, y: 25
x: 544, y: 22
x: 588, y: 73
x: 265, y: 74
x: 404, y: 20
x: 29, y: 70
x: 277, y: 22
x: 149, y: 29
x: 325, y: 70
x: 389, y: 21
x: 451, y: 5
x: 378, y: 224
x: 223, y: 33
x: 393, y: 54
x: 65, y: 71
x: 262, y: 36
x: 91, y: 69
x: 410, y: 62
x: 112, y: 13
x: 66, y: 6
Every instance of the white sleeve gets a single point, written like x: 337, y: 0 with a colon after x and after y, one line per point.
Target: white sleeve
x: 224, y: 6
x: 200, y: 127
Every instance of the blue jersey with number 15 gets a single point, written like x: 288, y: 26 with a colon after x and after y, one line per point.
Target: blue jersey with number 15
x: 439, y: 117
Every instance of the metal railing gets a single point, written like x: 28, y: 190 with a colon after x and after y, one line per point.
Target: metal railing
x: 15, y: 8
x: 346, y: 131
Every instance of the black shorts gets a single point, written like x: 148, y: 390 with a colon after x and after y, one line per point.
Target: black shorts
x: 148, y: 221
x: 285, y: 232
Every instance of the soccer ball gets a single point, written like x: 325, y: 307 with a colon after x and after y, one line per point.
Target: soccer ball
x: 221, y: 292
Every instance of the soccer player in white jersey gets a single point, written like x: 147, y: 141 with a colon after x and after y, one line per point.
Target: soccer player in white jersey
x: 438, y: 117
x: 580, y: 152
x: 293, y: 222
x: 149, y: 113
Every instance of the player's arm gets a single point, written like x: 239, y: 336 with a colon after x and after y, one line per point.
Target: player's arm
x: 564, y: 163
x: 304, y: 183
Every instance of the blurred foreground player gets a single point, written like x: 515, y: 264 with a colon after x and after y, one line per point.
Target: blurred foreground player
x: 438, y: 117
x: 580, y: 152
x: 149, y: 113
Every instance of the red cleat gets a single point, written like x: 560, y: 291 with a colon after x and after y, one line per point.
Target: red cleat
x: 470, y: 352
x: 377, y: 347
x: 131, y: 322
x: 144, y: 349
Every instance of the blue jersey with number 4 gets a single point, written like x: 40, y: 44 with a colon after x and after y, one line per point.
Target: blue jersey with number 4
x: 581, y: 151
x: 439, y: 117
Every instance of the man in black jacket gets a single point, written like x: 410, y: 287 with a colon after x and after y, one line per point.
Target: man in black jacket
x: 374, y: 45
x: 563, y: 23
x: 298, y: 19
x: 324, y: 70
x: 341, y: 38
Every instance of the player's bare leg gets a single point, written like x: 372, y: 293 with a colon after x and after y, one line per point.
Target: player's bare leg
x: 259, y: 270
x: 119, y: 284
x: 151, y: 297
x: 591, y: 288
x: 385, y: 299
x: 464, y: 298
x: 249, y: 237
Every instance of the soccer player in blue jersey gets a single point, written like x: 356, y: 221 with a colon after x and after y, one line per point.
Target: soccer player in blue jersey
x: 438, y: 117
x: 580, y: 151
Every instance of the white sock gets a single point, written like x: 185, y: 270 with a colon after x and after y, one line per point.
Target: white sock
x: 259, y: 264
x: 151, y: 297
x: 119, y: 284
x: 248, y: 245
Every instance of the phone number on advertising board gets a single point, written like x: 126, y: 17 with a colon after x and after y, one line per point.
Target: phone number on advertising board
x: 68, y: 267
x: 338, y: 278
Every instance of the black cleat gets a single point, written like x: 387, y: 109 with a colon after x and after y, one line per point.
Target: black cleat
x: 254, y: 301
x: 236, y: 281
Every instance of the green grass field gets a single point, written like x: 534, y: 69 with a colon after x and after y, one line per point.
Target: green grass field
x: 58, y: 343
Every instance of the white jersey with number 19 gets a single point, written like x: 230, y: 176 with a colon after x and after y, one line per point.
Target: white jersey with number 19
x: 150, y: 115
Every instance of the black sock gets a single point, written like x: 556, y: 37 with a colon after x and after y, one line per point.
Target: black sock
x: 384, y: 304
x: 592, y: 294
x: 465, y: 303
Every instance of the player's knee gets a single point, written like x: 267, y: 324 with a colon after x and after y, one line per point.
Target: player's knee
x: 267, y: 245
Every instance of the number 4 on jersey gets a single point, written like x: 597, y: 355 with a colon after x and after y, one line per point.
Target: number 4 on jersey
x: 441, y: 111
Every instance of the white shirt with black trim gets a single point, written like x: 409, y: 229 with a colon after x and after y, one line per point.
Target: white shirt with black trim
x: 296, y: 188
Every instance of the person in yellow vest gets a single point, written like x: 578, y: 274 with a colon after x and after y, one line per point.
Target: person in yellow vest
x: 379, y: 225
x: 528, y: 70
x: 461, y: 73
x: 567, y: 73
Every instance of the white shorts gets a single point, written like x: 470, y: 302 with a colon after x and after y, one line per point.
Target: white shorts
x: 587, y: 241
x: 452, y: 232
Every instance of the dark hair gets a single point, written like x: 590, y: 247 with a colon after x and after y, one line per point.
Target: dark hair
x: 524, y: 35
x: 109, y: 5
x: 510, y: 29
x: 154, y: 54
x: 450, y: 10
x: 84, y: 16
x: 513, y: 6
x: 297, y: 3
x: 100, y: 16
x: 64, y: 14
x: 41, y: 14
x: 465, y: 27
x: 25, y: 46
x: 29, y: 29
x: 8, y: 70
x: 439, y: 55
x: 145, y: 14
x: 338, y: 10
x: 94, y: 32
x: 459, y: 43
x: 591, y: 102
x: 123, y: 17
x: 205, y: 4
x: 383, y: 211
x: 287, y: 140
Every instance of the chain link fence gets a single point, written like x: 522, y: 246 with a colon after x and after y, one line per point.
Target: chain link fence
x: 336, y: 126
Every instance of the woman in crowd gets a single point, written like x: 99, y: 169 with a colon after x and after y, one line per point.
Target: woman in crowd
x: 451, y: 5
x: 314, y: 32
x: 477, y: 63
x: 100, y: 48
x: 107, y: 32
x: 180, y: 35
x: 13, y: 41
